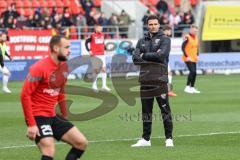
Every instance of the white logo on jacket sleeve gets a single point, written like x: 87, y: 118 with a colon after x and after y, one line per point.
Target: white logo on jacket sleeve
x: 157, y: 40
x: 52, y: 92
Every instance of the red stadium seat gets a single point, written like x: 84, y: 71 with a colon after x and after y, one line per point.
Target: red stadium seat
x: 9, y: 2
x: 35, y: 4
x: 97, y: 3
x: 66, y: 3
x: 19, y: 4
x: 59, y: 10
x: 27, y: 4
x: 76, y: 7
x: 75, y: 10
x: 75, y: 3
x: 2, y: 10
x: 59, y: 3
x: 51, y: 4
x: 43, y: 3
x: 3, y: 4
x: 28, y: 12
x: 20, y: 11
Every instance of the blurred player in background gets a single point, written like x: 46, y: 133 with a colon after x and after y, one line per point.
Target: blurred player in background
x: 167, y: 30
x: 3, y: 68
x: 42, y: 91
x: 190, y: 57
x: 97, y: 48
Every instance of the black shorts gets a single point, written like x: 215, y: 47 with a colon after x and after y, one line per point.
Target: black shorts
x: 52, y: 127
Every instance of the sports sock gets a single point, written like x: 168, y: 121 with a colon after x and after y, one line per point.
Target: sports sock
x: 46, y: 157
x: 5, y: 81
x: 74, y: 154
x: 95, y: 82
x: 170, y: 79
x: 104, y: 79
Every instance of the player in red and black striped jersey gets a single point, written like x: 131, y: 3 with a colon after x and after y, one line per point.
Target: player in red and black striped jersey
x: 42, y: 91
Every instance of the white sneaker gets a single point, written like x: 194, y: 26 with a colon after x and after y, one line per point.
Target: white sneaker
x: 169, y: 143
x: 106, y: 89
x: 142, y: 143
x: 6, y: 90
x: 194, y: 90
x: 188, y: 89
x: 94, y: 88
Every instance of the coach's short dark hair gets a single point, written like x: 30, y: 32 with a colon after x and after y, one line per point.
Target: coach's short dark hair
x: 55, y: 40
x: 152, y: 17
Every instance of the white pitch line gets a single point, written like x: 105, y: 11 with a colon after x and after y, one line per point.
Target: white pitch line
x: 131, y: 139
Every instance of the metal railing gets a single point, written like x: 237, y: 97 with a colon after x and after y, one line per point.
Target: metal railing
x: 130, y: 31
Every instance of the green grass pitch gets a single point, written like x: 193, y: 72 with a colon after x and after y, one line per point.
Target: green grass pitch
x: 206, y: 125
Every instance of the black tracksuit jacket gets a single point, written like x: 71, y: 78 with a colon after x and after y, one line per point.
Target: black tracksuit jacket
x: 152, y: 54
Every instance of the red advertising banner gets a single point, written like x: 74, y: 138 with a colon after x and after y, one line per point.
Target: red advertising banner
x: 29, y: 44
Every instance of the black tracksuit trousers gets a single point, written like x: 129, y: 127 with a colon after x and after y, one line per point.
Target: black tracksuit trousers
x: 158, y: 90
x: 192, y: 67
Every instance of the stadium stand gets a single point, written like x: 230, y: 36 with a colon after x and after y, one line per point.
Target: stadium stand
x: 81, y: 16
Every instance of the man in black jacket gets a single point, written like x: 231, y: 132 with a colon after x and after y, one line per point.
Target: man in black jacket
x: 152, y: 54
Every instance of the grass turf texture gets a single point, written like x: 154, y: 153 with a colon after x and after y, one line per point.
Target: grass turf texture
x: 215, y: 110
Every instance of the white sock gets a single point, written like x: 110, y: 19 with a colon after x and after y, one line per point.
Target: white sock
x: 170, y: 79
x: 188, y: 87
x: 5, y: 81
x: 95, y: 83
x: 104, y: 79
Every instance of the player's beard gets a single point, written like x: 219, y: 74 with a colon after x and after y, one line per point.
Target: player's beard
x: 61, y: 57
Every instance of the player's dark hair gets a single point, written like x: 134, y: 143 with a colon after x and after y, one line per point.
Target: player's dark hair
x: 167, y: 27
x: 152, y: 17
x: 55, y: 40
x: 194, y: 26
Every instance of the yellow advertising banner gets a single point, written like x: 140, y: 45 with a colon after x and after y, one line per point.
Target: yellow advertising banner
x: 221, y: 23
